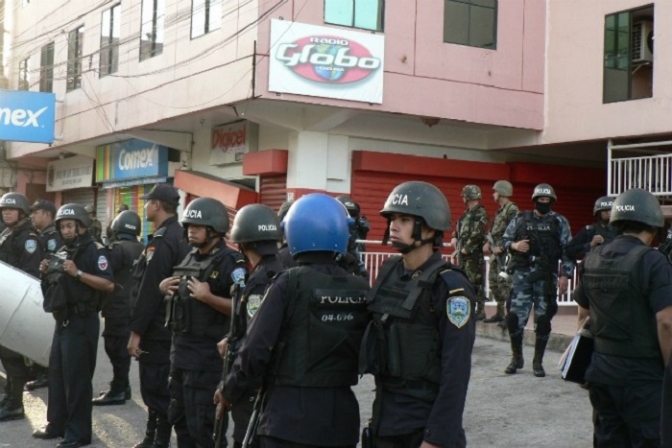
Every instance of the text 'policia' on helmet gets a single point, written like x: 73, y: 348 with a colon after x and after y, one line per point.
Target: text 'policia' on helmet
x: 254, y: 223
x: 602, y: 204
x: 420, y: 199
x: 127, y: 222
x: 206, y: 212
x: 317, y: 223
x: 73, y: 211
x: 15, y: 200
x: 544, y: 190
x: 637, y: 205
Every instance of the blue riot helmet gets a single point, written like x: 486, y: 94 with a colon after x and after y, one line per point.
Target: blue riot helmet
x: 317, y: 223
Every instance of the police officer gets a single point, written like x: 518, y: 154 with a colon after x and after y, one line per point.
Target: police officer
x: 42, y: 214
x: 468, y: 240
x: 419, y: 343
x: 313, y: 317
x: 500, y: 285
x: 666, y: 412
x: 625, y: 288
x: 352, y: 261
x: 72, y: 292
x: 536, y: 240
x: 200, y: 301
x: 595, y: 234
x: 256, y: 230
x: 19, y: 247
x: 96, y: 227
x: 285, y: 257
x: 150, y: 340
x: 123, y: 252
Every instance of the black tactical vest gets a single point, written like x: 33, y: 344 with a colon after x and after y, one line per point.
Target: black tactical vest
x: 189, y: 315
x: 140, y: 267
x: 51, y: 239
x: 402, y: 345
x: 544, y: 236
x: 609, y: 233
x: 12, y: 242
x: 624, y: 324
x: 117, y: 304
x: 319, y: 344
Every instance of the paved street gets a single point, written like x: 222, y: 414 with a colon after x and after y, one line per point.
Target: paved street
x: 502, y: 411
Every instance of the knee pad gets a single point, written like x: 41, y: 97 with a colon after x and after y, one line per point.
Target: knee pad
x: 543, y: 326
x: 512, y: 322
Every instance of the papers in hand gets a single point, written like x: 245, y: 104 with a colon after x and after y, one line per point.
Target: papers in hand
x: 576, y: 358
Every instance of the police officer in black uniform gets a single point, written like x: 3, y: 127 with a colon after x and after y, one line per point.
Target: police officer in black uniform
x: 256, y: 230
x: 312, y: 318
x: 42, y: 214
x: 594, y: 234
x: 198, y: 305
x: 150, y: 339
x: 72, y: 283
x: 19, y: 247
x: 626, y: 288
x: 419, y: 343
x: 352, y: 261
x: 285, y: 257
x: 124, y: 250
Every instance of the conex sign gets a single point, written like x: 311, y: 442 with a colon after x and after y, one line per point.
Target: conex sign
x: 327, y: 62
x: 27, y: 116
x: 229, y: 142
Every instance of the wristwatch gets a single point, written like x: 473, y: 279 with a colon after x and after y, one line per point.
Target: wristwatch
x: 79, y: 273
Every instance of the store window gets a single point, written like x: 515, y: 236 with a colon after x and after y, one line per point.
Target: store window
x: 364, y: 14
x: 470, y: 22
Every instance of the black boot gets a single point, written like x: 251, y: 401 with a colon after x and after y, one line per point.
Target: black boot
x: 6, y: 389
x: 127, y: 392
x: 41, y: 379
x: 163, y: 431
x: 517, y: 360
x: 115, y: 395
x: 13, y: 408
x: 539, y: 349
x: 480, y: 311
x: 150, y: 432
x: 498, y: 316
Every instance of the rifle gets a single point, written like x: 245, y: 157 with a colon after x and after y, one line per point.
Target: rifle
x: 251, y: 439
x: 233, y: 340
x: 501, y: 258
x: 178, y: 308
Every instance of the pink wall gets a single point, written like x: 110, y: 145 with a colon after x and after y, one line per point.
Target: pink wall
x: 425, y: 76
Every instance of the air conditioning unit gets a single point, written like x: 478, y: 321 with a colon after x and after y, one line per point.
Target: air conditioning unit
x: 642, y: 41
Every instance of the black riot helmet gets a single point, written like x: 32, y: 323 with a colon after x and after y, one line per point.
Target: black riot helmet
x: 15, y: 200
x: 127, y: 222
x: 422, y: 200
x: 637, y: 205
x: 602, y: 204
x: 73, y: 211
x: 284, y: 208
x: 351, y: 206
x: 255, y: 222
x: 206, y: 212
x: 542, y: 190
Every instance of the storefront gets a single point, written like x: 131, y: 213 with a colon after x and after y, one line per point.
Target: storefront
x: 72, y: 178
x: 127, y: 171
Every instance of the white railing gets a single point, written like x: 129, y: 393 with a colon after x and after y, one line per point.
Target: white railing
x: 652, y: 171
x: 373, y: 260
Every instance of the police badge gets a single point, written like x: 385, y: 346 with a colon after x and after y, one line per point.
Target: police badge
x: 51, y: 245
x: 253, y: 304
x: 458, y: 310
x: 31, y: 246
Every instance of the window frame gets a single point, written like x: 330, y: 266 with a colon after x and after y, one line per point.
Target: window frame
x: 75, y: 53
x: 24, y: 78
x: 154, y: 49
x: 109, y: 51
x: 208, y: 5
x: 470, y: 5
x: 381, y: 16
x: 47, y: 67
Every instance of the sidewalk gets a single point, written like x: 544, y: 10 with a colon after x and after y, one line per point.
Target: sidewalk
x: 563, y: 328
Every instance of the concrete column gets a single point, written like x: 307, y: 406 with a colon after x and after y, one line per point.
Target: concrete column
x: 319, y: 161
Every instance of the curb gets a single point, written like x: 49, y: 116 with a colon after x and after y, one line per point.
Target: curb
x: 557, y: 342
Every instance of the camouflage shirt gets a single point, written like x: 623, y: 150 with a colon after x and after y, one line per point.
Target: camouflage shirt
x: 503, y: 217
x: 470, y: 231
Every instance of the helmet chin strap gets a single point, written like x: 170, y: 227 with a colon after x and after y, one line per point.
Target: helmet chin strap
x: 417, y: 236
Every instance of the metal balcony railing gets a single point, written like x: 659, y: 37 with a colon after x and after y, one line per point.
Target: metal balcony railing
x: 651, y: 171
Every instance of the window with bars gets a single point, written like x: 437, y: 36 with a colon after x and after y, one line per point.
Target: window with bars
x: 110, y: 30
x: 206, y: 16
x: 364, y: 14
x: 24, y: 84
x: 47, y: 68
x: 75, y: 52
x: 152, y: 34
x: 470, y: 22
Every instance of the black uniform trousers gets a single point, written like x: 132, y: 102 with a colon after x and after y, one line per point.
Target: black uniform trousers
x: 241, y: 414
x: 72, y: 363
x: 15, y: 367
x: 154, y: 372
x: 115, y: 335
x: 412, y: 440
x: 273, y: 442
x: 627, y: 417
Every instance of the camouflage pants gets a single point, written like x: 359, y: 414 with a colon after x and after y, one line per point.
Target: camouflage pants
x: 473, y: 267
x: 527, y: 294
x: 499, y: 287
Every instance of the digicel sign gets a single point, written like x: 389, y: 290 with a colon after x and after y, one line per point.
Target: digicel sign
x: 230, y: 139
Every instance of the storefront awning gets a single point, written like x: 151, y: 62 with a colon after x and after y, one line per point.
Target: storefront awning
x: 199, y: 184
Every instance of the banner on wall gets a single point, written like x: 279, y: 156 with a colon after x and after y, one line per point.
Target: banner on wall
x: 131, y: 162
x: 27, y: 116
x: 326, y: 62
x: 66, y: 174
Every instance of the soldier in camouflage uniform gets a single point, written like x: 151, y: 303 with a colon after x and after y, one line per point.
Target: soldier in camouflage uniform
x: 468, y: 240
x: 500, y: 286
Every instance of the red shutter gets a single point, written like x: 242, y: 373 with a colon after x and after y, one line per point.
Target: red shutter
x: 273, y: 190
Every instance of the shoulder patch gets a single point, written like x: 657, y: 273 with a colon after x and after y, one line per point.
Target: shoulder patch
x: 149, y: 253
x: 458, y: 310
x: 238, y: 276
x: 51, y: 245
x: 253, y: 304
x: 31, y: 246
x: 102, y: 262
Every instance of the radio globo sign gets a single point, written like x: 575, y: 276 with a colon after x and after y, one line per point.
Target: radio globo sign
x: 328, y: 59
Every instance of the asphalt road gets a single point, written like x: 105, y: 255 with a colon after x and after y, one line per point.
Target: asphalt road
x: 502, y: 410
